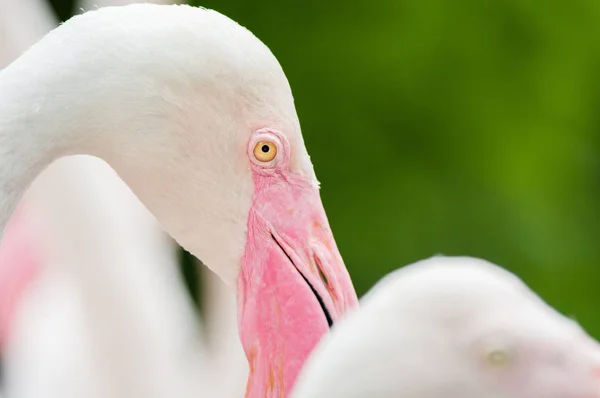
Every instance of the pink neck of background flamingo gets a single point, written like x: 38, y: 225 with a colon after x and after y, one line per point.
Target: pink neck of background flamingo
x: 19, y: 266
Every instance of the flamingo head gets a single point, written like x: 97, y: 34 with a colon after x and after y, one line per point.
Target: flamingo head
x: 455, y: 327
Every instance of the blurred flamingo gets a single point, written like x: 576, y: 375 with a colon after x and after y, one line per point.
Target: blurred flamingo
x: 453, y: 327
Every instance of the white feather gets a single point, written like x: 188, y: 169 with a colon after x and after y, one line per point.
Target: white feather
x: 426, y: 331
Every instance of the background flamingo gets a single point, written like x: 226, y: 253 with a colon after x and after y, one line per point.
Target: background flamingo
x: 453, y: 327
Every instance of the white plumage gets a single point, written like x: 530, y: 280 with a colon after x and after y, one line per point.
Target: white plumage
x: 453, y: 327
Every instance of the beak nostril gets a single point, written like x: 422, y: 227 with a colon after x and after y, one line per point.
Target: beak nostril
x: 324, y: 277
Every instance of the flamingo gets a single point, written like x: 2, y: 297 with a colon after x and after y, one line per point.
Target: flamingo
x: 453, y: 327
x: 71, y: 207
x: 195, y: 114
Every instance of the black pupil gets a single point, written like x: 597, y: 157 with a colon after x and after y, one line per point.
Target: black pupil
x: 265, y: 148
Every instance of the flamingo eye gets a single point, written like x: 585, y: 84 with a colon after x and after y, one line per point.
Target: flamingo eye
x: 265, y: 151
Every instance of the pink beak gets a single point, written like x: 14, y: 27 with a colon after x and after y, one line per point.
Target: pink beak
x: 293, y: 285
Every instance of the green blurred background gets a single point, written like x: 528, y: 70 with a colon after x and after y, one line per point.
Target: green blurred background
x: 461, y: 127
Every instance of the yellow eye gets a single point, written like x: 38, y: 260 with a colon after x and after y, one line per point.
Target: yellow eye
x: 265, y: 151
x: 498, y: 358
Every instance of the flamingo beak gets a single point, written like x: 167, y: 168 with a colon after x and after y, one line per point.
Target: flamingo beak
x: 320, y: 266
x: 292, y: 288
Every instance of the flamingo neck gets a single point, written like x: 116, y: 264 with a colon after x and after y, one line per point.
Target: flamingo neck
x: 33, y: 132
x: 46, y: 113
x: 69, y: 106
